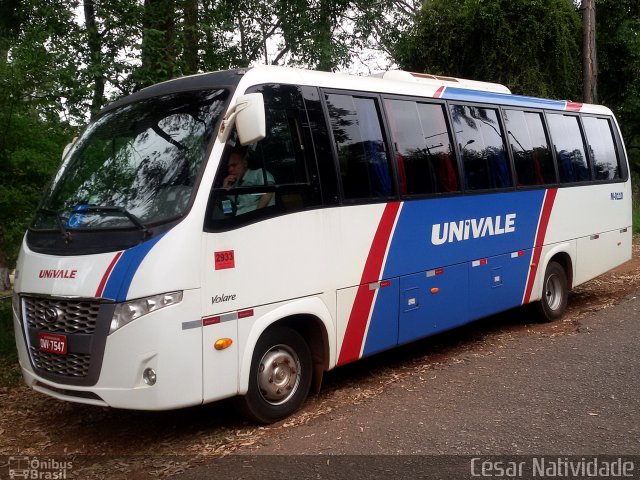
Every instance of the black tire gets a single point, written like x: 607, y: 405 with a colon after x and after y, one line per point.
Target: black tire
x: 555, y: 293
x: 280, y: 376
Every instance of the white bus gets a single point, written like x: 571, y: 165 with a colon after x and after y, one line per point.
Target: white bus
x: 242, y: 232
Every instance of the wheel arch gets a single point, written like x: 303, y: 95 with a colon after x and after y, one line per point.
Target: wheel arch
x: 564, y: 259
x: 563, y: 254
x: 311, y: 319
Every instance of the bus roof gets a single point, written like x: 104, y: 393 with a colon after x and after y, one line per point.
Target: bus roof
x: 391, y: 82
x: 406, y: 83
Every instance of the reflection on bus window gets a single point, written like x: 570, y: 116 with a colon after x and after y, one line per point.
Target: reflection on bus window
x: 142, y: 158
x: 424, y: 152
x: 362, y: 154
x: 481, y: 146
x: 567, y: 139
x: 602, y: 148
x: 531, y: 153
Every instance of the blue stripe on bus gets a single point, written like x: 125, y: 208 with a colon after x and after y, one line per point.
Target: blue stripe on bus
x: 122, y: 275
x: 383, y: 331
x: 464, y: 292
x: 453, y: 93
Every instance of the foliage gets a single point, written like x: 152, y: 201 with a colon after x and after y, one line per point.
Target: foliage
x: 38, y: 84
x: 531, y: 46
x: 618, y: 43
x: 31, y: 154
x: 7, y: 342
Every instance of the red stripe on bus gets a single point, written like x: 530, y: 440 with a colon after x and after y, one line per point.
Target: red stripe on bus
x: 439, y: 92
x: 359, y: 316
x: 573, y: 106
x: 547, y: 206
x: 105, y: 277
x: 206, y: 321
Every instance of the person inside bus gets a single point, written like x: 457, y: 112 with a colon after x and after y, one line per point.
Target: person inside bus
x: 240, y: 175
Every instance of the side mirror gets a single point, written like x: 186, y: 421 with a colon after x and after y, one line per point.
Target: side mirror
x: 248, y: 117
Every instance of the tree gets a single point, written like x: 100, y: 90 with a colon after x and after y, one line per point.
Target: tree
x: 618, y: 40
x: 531, y: 46
x: 38, y: 86
x: 589, y: 64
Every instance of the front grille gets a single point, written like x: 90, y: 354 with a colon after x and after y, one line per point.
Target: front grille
x: 60, y: 315
x: 71, y: 364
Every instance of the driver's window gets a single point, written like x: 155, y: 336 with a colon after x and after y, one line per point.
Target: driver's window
x: 272, y: 176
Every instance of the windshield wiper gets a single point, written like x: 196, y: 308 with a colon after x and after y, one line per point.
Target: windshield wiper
x: 98, y: 209
x: 66, y: 234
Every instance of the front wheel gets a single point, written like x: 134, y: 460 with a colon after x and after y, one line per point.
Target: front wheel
x: 280, y: 376
x: 555, y: 293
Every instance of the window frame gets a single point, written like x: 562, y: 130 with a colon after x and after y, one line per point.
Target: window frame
x: 312, y: 184
x: 577, y: 115
x: 384, y: 127
x: 547, y: 135
x: 617, y: 145
x: 454, y: 152
x: 509, y: 158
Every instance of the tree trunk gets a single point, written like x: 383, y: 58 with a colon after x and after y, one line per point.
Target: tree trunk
x: 5, y: 284
x: 589, y: 64
x: 190, y: 37
x: 95, y: 55
x: 324, y: 44
x: 158, y: 43
x: 9, y: 27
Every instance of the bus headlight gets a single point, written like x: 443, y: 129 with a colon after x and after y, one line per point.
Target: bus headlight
x: 128, y: 311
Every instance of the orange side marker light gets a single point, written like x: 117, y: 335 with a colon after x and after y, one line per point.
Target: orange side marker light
x: 222, y: 343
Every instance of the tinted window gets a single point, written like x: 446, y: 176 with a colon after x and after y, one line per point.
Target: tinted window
x: 362, y: 153
x: 531, y: 153
x: 424, y: 152
x: 481, y: 145
x: 570, y: 153
x: 602, y: 148
x: 321, y: 143
x: 275, y: 175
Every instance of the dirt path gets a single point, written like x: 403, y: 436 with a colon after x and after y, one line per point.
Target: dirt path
x: 109, y: 443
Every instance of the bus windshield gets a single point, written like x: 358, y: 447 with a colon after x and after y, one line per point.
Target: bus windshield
x: 135, y: 165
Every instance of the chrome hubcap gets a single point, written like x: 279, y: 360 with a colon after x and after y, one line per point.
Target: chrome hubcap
x: 553, y: 292
x: 279, y: 374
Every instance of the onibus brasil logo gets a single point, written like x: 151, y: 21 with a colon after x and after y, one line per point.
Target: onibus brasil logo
x: 38, y: 468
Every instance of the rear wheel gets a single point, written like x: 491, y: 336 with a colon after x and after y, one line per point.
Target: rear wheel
x: 280, y: 376
x: 555, y: 293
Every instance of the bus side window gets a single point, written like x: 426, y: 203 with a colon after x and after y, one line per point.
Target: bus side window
x: 481, y: 145
x: 424, y: 151
x: 530, y: 147
x: 570, y: 151
x: 317, y: 135
x: 606, y: 163
x: 362, y: 153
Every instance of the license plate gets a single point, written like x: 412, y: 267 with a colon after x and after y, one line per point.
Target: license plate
x: 53, y: 343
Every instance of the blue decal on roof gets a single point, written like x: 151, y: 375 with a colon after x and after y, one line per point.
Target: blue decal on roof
x: 453, y: 93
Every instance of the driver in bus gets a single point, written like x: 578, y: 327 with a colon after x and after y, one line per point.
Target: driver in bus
x: 240, y: 175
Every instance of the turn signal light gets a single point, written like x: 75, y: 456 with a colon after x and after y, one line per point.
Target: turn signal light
x: 222, y: 343
x: 435, y: 290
